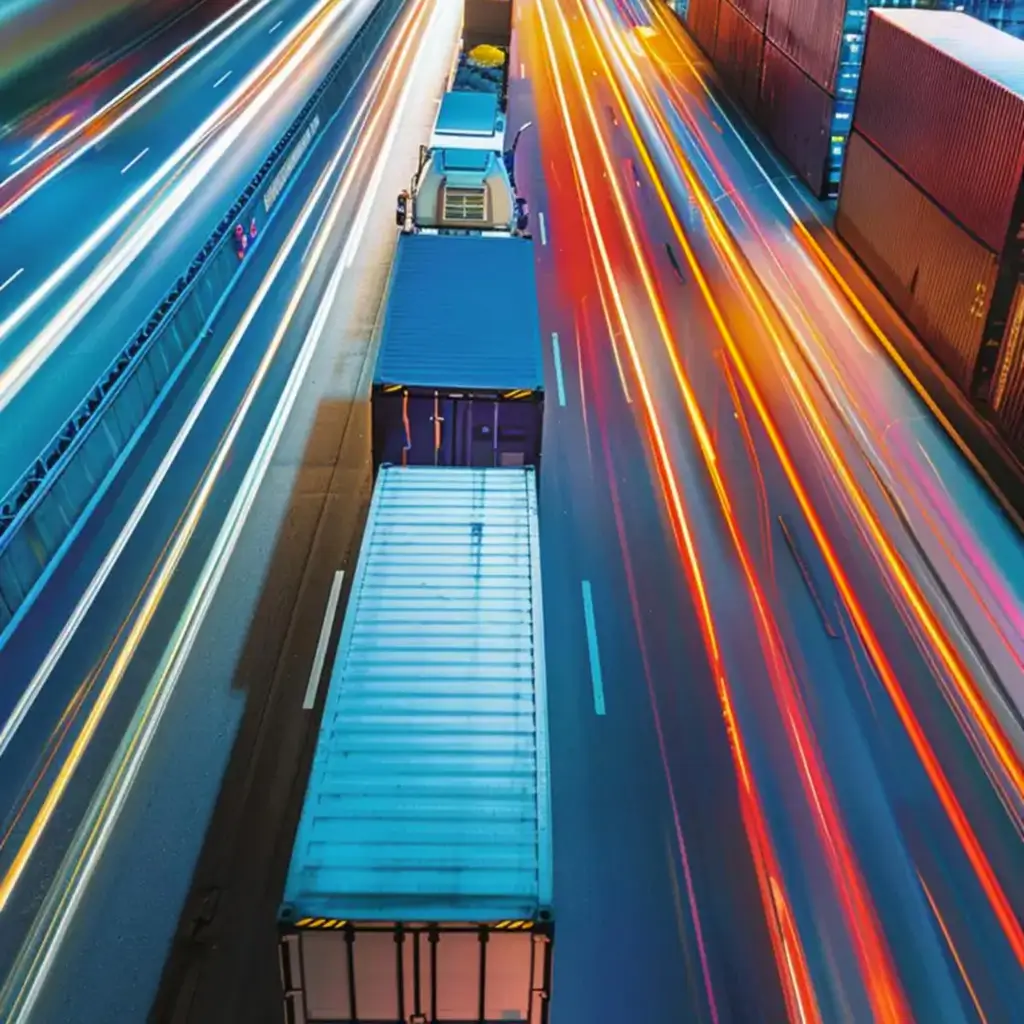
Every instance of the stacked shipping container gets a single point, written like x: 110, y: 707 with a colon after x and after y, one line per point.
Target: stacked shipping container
x: 933, y: 193
x: 794, y: 65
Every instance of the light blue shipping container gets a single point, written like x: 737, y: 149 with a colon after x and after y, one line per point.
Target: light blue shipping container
x: 420, y: 881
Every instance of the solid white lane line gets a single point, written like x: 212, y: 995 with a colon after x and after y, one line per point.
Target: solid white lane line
x: 223, y: 78
x: 275, y: 27
x: 596, y: 678
x: 134, y: 160
x: 325, y: 637
x: 559, y: 379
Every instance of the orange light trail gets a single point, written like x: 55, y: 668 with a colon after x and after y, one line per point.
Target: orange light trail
x: 951, y: 660
x: 877, y: 969
x: 791, y: 966
x: 1007, y: 758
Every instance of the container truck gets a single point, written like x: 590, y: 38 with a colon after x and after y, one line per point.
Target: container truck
x: 459, y: 378
x: 465, y: 178
x: 419, y: 887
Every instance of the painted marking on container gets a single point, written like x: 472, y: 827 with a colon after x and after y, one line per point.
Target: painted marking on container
x: 592, y: 649
x: 134, y: 160
x: 543, y: 229
x: 275, y: 27
x: 325, y: 638
x: 14, y: 277
x: 223, y: 78
x: 557, y: 350
x: 805, y: 572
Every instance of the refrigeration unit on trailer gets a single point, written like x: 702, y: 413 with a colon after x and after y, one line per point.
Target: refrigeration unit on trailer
x: 419, y: 888
x: 460, y: 370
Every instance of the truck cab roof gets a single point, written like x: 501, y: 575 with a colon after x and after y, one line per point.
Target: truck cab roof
x: 469, y: 120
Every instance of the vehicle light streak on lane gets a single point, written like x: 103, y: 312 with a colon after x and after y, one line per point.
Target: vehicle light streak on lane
x: 157, y: 585
x: 670, y: 28
x: 16, y: 188
x: 907, y: 586
x: 966, y: 686
x: 790, y: 957
x: 56, y: 919
x: 252, y: 96
x: 877, y: 970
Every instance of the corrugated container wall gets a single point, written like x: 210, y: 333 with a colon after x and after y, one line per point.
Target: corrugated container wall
x: 702, y: 23
x: 809, y: 32
x: 1008, y: 392
x: 797, y: 114
x: 955, y: 132
x: 429, y: 794
x: 755, y: 11
x: 739, y: 48
x: 936, y: 275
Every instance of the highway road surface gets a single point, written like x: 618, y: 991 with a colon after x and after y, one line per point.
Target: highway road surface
x: 800, y: 586
x: 80, y: 727
x: 101, y: 214
x: 784, y: 627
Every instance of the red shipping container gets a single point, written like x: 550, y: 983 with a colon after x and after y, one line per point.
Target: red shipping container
x: 797, y: 115
x: 702, y: 23
x: 739, y: 48
x: 1008, y: 389
x: 926, y: 100
x: 938, y: 276
x: 809, y: 32
x: 755, y: 11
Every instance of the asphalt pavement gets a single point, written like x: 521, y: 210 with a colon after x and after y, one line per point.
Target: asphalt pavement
x: 878, y: 796
x: 95, y: 641
x: 73, y: 301
x: 785, y: 776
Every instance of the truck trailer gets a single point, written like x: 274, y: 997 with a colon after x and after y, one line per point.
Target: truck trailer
x: 419, y: 888
x: 459, y: 378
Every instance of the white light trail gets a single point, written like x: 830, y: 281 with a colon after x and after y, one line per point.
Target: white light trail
x: 108, y: 804
x: 320, y: 19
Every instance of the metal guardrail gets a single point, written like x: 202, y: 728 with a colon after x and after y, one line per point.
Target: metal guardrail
x: 42, y: 513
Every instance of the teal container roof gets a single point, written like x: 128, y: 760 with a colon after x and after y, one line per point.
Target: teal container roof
x: 462, y: 313
x: 429, y: 797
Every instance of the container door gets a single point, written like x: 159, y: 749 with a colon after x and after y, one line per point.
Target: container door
x: 421, y: 976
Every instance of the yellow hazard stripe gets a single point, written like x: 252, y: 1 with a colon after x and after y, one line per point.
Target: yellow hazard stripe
x: 321, y: 923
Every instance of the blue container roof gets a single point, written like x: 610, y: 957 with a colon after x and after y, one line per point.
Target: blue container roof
x: 429, y: 795
x: 474, y: 113
x: 462, y: 313
x: 990, y: 52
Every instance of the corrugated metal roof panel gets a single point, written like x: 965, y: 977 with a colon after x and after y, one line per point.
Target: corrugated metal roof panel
x: 428, y: 799
x: 987, y: 50
x: 942, y: 95
x: 462, y: 313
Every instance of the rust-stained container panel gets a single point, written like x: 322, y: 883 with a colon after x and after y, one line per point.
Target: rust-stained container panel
x: 755, y: 11
x: 938, y: 276
x: 1008, y: 389
x: 809, y: 33
x: 702, y: 23
x: 739, y: 48
x: 797, y: 115
x: 942, y: 95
